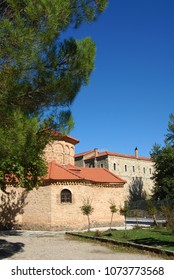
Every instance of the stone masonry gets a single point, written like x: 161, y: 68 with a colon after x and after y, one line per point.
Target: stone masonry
x: 60, y: 151
x: 130, y: 168
x: 43, y: 208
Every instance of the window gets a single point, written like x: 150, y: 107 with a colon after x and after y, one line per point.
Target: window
x: 115, y: 166
x: 101, y: 165
x: 66, y: 196
x: 150, y: 170
x: 133, y: 168
x: 125, y: 167
x: 144, y: 169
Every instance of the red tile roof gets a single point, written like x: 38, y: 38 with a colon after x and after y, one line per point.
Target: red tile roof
x: 84, y: 153
x: 100, y: 175
x: 107, y: 153
x: 66, y: 138
x: 70, y: 173
x: 58, y: 172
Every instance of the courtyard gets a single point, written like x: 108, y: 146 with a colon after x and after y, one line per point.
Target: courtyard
x: 30, y: 245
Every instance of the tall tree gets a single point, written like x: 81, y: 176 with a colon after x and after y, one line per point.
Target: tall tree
x: 21, y: 151
x: 40, y: 75
x: 170, y: 135
x: 164, y: 166
x: 38, y: 69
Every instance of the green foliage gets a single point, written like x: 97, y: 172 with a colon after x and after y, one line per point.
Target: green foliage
x: 168, y: 212
x: 136, y: 214
x: 38, y: 69
x: 163, y: 175
x: 113, y: 210
x: 98, y: 233
x: 40, y: 75
x: 151, y: 237
x: 170, y: 135
x: 21, y: 151
x: 87, y: 210
x: 164, y: 166
x: 124, y: 211
x: 152, y: 211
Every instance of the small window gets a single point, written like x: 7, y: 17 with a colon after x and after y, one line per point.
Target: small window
x: 115, y: 167
x: 101, y: 165
x: 144, y: 170
x: 150, y: 170
x: 66, y: 196
x: 133, y: 168
x: 125, y: 167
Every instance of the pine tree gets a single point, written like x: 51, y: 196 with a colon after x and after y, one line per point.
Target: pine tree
x: 38, y: 69
x: 164, y: 166
x: 40, y: 75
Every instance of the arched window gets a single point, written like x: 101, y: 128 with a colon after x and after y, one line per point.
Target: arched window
x: 66, y: 196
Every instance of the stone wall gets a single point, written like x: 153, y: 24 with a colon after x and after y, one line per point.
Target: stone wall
x: 69, y: 216
x: 127, y: 168
x: 12, y: 205
x: 130, y: 169
x: 43, y: 209
x: 60, y: 151
x: 37, y: 212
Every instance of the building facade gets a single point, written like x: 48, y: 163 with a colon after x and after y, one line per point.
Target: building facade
x: 136, y: 170
x: 61, y: 149
x: 56, y: 204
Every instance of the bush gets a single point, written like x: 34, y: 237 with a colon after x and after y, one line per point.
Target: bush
x: 98, y: 233
x: 168, y: 212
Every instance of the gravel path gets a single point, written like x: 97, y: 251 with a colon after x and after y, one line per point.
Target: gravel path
x: 58, y: 246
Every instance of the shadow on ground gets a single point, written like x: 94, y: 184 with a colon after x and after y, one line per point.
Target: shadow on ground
x: 8, y: 249
x: 153, y: 242
x: 10, y: 233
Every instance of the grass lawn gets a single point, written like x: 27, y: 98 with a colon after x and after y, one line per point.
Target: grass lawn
x: 160, y: 238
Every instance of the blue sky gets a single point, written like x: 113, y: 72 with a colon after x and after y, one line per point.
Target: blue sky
x: 131, y: 90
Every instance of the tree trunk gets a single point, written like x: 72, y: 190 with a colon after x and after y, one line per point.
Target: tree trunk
x: 88, y: 223
x: 125, y: 223
x: 111, y: 221
x: 155, y: 220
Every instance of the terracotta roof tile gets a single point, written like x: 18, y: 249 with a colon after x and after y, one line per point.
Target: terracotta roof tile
x: 70, y: 172
x: 84, y: 153
x: 107, y: 153
x: 100, y: 175
x: 122, y: 155
x: 63, y: 137
x: 58, y: 172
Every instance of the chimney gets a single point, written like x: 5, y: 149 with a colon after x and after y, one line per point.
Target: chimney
x: 136, y: 152
x: 95, y: 152
x: 95, y: 155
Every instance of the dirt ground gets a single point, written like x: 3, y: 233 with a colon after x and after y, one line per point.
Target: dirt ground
x: 58, y: 246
